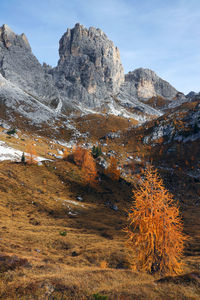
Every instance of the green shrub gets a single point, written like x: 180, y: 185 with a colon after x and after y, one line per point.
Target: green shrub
x: 96, y: 151
x: 63, y: 233
x: 12, y: 131
x: 97, y: 296
x: 23, y: 158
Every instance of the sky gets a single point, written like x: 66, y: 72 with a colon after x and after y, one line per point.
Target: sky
x: 162, y: 35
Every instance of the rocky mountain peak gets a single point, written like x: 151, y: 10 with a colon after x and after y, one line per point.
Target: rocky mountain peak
x: 77, y: 41
x: 89, y: 76
x: 141, y: 73
x: 5, y: 29
x: 88, y: 57
x: 21, y: 67
x: 6, y: 33
x: 148, y: 84
x: 8, y: 38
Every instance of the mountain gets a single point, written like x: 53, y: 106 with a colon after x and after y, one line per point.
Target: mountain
x: 15, y: 101
x: 62, y: 238
x: 89, y: 68
x: 147, y: 84
x: 21, y: 67
x: 88, y: 78
x: 144, y: 86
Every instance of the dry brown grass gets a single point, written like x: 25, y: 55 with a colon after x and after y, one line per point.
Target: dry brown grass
x: 157, y: 102
x: 72, y: 256
x: 99, y: 125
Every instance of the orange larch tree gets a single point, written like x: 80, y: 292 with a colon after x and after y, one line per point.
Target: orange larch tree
x: 66, y: 153
x: 89, y: 169
x: 78, y: 155
x: 155, y: 229
x: 31, y: 155
x: 112, y: 171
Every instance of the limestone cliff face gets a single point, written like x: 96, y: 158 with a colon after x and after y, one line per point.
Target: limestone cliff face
x: 147, y: 84
x: 20, y: 66
x: 142, y: 85
x: 8, y: 38
x: 89, y: 76
x: 89, y: 68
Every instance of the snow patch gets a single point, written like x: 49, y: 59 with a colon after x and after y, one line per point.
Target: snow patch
x: 9, y: 153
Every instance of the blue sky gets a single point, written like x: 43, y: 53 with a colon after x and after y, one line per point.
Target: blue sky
x: 163, y: 35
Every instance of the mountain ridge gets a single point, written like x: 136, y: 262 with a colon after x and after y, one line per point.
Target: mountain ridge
x: 88, y: 78
x: 57, y: 230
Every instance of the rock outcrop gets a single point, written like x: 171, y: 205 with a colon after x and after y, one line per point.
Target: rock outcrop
x: 89, y: 77
x: 20, y: 66
x: 142, y: 85
x: 145, y: 84
x: 16, y: 102
x: 89, y: 69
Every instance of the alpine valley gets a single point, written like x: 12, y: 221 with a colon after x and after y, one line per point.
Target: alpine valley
x: 59, y: 238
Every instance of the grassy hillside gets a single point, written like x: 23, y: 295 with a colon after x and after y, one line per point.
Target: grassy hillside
x: 54, y: 246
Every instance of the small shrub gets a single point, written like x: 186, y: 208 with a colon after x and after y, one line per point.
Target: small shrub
x: 97, y: 296
x: 12, y: 131
x: 112, y: 171
x: 23, y: 158
x: 31, y: 155
x: 103, y: 264
x: 66, y: 154
x: 96, y: 151
x: 63, y: 233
